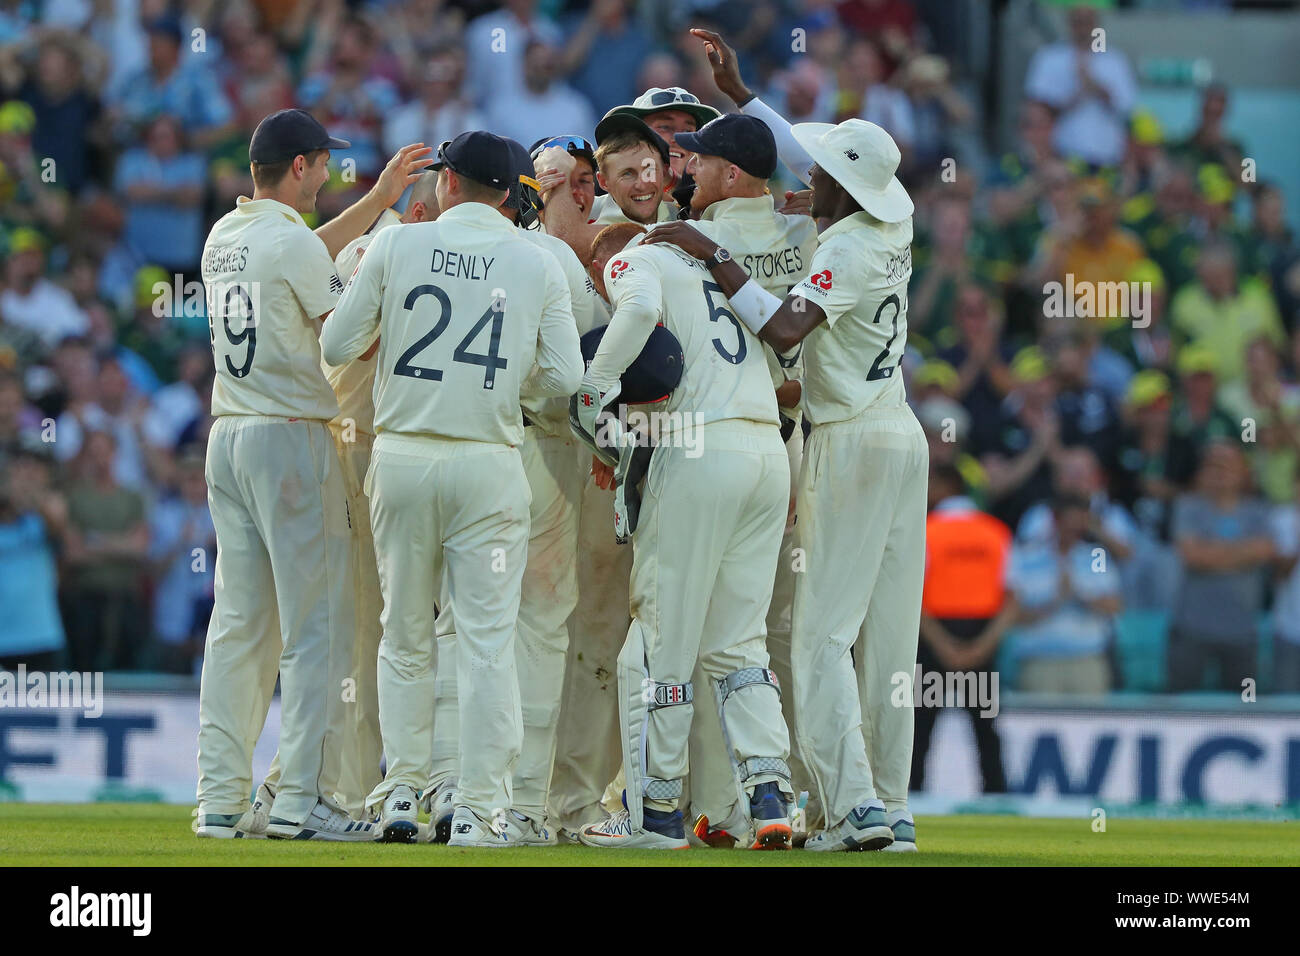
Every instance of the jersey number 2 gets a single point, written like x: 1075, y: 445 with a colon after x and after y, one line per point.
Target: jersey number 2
x: 877, y: 371
x: 491, y: 360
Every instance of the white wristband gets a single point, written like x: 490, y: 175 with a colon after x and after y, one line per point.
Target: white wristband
x: 754, y: 305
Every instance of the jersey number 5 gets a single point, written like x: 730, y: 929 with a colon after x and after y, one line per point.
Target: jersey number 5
x: 491, y: 360
x: 877, y: 371
x: 718, y: 311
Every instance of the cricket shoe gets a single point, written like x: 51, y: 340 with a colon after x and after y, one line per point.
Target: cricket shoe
x: 900, y: 821
x: 468, y: 829
x: 323, y: 823
x: 865, y: 828
x: 660, y: 830
x: 262, y: 801
x: 715, y: 838
x: 441, y: 805
x: 400, y: 820
x: 523, y: 830
x: 770, y: 811
x: 226, y: 826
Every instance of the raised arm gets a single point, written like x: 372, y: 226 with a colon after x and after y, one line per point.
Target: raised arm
x: 402, y: 170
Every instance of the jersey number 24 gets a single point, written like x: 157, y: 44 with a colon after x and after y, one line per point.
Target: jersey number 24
x: 491, y: 360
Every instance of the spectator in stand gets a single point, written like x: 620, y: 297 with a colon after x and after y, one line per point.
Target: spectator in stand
x: 1149, y: 345
x: 1093, y: 249
x: 32, y: 302
x: 1224, y: 314
x: 169, y: 85
x: 1198, y: 419
x: 1145, y: 160
x: 1272, y: 252
x: 163, y: 186
x: 1223, y: 536
x: 1269, y: 410
x: 440, y: 111
x: 1163, y: 221
x: 544, y: 106
x: 1092, y: 90
x: 347, y: 94
x: 609, y: 32
x: 1018, y: 459
x: 496, y: 44
x: 256, y: 79
x: 947, y: 430
x: 32, y: 519
x: 67, y: 111
x: 111, y: 406
x: 1068, y: 593
x: 965, y: 613
x: 19, y: 424
x: 981, y: 359
x: 938, y: 110
x: 1209, y: 143
x: 183, y: 550
x: 1087, y: 414
x: 1286, y: 609
x: 1153, y: 573
x: 864, y: 93
x: 1079, y: 475
x: 106, y: 546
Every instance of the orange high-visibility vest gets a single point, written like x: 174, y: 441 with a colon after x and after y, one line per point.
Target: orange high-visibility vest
x: 966, y: 558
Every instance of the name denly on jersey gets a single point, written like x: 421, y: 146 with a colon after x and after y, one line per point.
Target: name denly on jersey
x: 460, y: 265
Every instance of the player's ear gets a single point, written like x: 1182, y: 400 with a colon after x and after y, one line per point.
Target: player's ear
x: 600, y: 178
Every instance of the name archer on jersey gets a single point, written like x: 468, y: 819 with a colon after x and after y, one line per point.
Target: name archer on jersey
x: 460, y: 264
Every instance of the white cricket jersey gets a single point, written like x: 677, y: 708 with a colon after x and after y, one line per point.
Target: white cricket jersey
x: 268, y: 280
x: 354, y: 382
x: 589, y: 311
x: 859, y: 279
x: 605, y: 211
x: 726, y: 375
x: 465, y: 307
x: 774, y: 249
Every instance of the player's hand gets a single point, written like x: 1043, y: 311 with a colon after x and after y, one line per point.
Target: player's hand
x: 726, y: 67
x: 685, y: 237
x: 403, y: 169
x: 602, y: 473
x: 550, y: 181
x: 797, y: 203
x: 555, y: 157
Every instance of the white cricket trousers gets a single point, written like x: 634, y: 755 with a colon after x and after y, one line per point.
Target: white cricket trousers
x: 363, y: 748
x: 283, y: 602
x: 453, y: 511
x: 706, y: 548
x: 861, y: 506
x: 588, y: 753
x: 548, y: 594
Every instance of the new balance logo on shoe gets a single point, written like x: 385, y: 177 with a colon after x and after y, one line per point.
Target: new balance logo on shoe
x: 402, y: 806
x: 463, y: 828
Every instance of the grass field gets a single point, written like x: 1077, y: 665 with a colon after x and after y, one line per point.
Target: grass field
x: 129, y: 834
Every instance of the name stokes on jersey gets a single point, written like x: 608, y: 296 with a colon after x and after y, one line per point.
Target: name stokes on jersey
x: 778, y: 262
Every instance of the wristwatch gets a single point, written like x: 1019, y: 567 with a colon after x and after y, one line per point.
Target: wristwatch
x: 719, y: 256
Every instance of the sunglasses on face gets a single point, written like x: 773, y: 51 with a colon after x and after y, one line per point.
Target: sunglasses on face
x: 570, y: 144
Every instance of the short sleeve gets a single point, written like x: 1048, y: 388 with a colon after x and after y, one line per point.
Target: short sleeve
x: 830, y: 284
x: 311, y: 274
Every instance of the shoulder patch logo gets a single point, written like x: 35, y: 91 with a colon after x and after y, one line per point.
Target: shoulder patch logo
x: 822, y: 280
x: 851, y: 154
x: 336, y: 284
x: 617, y: 268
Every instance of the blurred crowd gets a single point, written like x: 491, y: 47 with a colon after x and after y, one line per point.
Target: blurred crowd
x: 1165, y: 434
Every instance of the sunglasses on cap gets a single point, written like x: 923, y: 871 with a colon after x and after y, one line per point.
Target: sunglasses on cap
x: 570, y: 144
x: 664, y: 97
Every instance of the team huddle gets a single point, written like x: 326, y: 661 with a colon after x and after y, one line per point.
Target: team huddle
x: 567, y: 517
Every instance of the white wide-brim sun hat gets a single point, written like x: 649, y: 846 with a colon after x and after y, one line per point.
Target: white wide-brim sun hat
x: 862, y: 158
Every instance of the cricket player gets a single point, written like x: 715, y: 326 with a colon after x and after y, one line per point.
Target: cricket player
x: 632, y: 163
x: 353, y: 430
x: 555, y: 464
x: 283, y: 592
x: 668, y: 112
x: 707, y: 534
x: 862, y: 494
x: 464, y: 308
x: 730, y: 160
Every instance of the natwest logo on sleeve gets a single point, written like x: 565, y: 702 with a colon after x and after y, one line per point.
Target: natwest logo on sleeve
x: 822, y: 280
x: 617, y: 268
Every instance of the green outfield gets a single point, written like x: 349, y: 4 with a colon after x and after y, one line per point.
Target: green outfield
x: 129, y: 834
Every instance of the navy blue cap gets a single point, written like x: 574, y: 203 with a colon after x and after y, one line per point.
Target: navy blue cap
x: 737, y: 138
x: 615, y: 123
x: 481, y: 156
x: 287, y: 134
x: 653, y: 374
